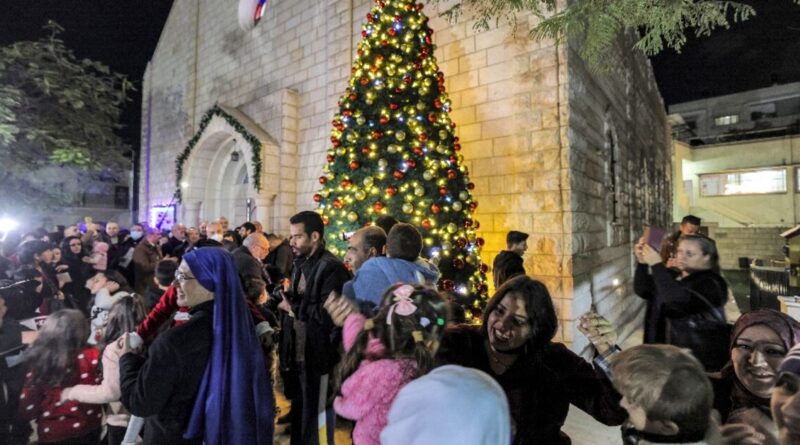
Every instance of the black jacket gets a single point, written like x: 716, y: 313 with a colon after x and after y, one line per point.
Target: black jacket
x: 163, y: 387
x: 506, y: 264
x: 247, y: 265
x: 669, y: 298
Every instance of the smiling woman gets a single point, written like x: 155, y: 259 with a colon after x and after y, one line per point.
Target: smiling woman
x: 540, y: 377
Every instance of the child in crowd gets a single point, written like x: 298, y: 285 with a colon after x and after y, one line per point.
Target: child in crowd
x: 785, y: 400
x: 125, y: 314
x: 165, y: 275
x: 60, y: 358
x: 107, y: 287
x: 667, y: 394
x: 384, y: 353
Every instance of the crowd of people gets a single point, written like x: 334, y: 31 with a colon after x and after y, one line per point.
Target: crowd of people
x: 142, y: 336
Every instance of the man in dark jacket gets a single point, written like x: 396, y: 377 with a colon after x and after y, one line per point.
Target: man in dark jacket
x: 312, y: 335
x: 509, y: 262
x: 248, y: 257
x: 146, y: 256
x: 176, y: 243
x: 280, y: 256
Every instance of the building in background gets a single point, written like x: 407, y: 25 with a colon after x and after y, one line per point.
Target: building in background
x: 737, y: 166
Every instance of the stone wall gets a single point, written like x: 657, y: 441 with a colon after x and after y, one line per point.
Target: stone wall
x: 735, y: 242
x: 619, y: 176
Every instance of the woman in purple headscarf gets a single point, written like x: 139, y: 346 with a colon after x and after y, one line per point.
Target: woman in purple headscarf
x: 742, y: 389
x: 203, y: 381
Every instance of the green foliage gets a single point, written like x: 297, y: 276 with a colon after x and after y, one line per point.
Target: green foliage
x: 394, y: 151
x: 55, y: 110
x: 596, y: 25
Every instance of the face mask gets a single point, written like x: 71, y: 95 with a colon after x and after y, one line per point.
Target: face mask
x: 217, y: 237
x: 136, y: 235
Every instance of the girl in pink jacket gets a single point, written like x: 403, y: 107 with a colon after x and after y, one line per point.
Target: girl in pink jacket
x: 384, y: 353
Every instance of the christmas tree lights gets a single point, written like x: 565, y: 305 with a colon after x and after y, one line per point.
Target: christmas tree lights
x: 394, y: 152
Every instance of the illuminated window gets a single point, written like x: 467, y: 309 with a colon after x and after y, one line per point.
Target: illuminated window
x: 730, y: 119
x: 750, y: 182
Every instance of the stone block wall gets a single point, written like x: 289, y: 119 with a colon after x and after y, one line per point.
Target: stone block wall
x: 751, y: 242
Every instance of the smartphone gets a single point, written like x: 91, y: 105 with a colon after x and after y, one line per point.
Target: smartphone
x: 654, y: 236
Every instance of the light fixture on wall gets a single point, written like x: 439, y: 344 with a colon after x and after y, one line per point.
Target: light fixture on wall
x: 235, y: 153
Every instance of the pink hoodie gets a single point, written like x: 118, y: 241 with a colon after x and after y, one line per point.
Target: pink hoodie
x: 367, y: 395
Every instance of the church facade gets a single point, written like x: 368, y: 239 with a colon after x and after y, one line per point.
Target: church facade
x: 237, y: 120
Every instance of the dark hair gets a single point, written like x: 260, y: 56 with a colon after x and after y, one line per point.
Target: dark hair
x: 707, y: 246
x: 386, y: 222
x: 28, y: 249
x: 515, y: 237
x: 311, y: 221
x: 691, y: 219
x: 398, y: 338
x: 273, y: 237
x: 51, y: 358
x: 375, y: 237
x: 165, y: 271
x: 254, y: 288
x: 124, y: 315
x: 113, y: 275
x: 538, y: 304
x: 250, y: 227
x: 235, y: 235
x: 404, y: 241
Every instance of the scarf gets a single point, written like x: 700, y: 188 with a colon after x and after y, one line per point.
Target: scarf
x: 235, y: 403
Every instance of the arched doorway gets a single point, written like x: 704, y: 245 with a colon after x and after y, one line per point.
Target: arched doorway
x: 220, y: 171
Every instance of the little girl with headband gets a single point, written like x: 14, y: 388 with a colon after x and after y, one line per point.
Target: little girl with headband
x: 384, y: 353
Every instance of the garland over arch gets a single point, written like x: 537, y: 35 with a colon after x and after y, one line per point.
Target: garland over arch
x: 250, y: 138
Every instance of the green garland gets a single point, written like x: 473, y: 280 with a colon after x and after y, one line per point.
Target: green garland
x: 251, y: 139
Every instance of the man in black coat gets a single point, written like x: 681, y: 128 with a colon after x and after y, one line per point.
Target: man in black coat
x: 311, y: 340
x: 509, y: 262
x: 248, y: 257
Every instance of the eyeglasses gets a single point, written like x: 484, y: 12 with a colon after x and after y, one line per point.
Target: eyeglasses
x: 182, y: 277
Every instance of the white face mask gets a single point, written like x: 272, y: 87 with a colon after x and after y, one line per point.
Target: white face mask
x: 136, y: 235
x: 217, y: 237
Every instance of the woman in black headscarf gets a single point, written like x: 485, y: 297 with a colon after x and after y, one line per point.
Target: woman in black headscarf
x: 72, y: 256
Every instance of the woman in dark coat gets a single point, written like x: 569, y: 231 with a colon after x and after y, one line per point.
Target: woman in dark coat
x: 671, y: 297
x: 72, y: 256
x: 40, y: 288
x: 541, y: 378
x: 204, y: 381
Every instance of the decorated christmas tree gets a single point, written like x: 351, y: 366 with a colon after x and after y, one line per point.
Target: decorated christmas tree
x: 394, y: 151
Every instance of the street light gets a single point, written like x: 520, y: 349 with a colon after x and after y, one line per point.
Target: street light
x: 7, y: 225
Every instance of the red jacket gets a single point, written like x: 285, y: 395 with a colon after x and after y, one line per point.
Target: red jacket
x: 161, y: 312
x: 58, y: 421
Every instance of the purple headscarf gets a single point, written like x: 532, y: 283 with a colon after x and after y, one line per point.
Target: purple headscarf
x: 235, y: 403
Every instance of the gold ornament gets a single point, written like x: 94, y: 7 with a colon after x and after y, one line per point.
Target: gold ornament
x: 452, y: 228
x: 361, y: 120
x: 457, y: 206
x: 419, y: 191
x: 428, y: 175
x: 463, y: 195
x: 360, y: 195
x: 352, y: 217
x: 382, y: 163
x: 400, y: 135
x: 368, y: 181
x: 408, y: 208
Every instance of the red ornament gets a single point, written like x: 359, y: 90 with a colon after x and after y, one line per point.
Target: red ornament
x: 461, y: 242
x: 373, y: 68
x: 364, y: 80
x: 378, y: 206
x: 325, y: 220
x: 406, y: 79
x: 317, y: 197
x: 384, y: 42
x: 355, y: 165
x: 448, y: 285
x: 354, y: 97
x: 398, y: 90
x: 442, y: 191
x: 409, y: 7
x: 423, y: 136
x: 391, y: 32
x: 364, y: 34
x: 437, y: 103
x: 457, y: 147
x: 420, y: 6
x: 480, y: 241
x: 458, y: 263
x: 436, y: 209
x: 346, y: 183
x: 473, y: 206
x: 369, y: 17
x: 451, y: 174
x: 398, y: 175
x: 418, y: 151
x: 379, y: 57
x: 365, y: 151
x: 383, y: 120
x: 467, y: 223
x: 410, y: 163
x: 393, y: 106
x: 477, y: 225
x: 484, y: 268
x: 431, y: 117
x: 376, y: 135
x: 483, y: 288
x: 335, y: 142
x: 337, y: 203
x: 428, y: 40
x: 391, y: 190
x: 347, y: 113
x: 323, y: 180
x: 471, y: 186
x: 452, y: 159
x: 330, y: 159
x: 426, y: 224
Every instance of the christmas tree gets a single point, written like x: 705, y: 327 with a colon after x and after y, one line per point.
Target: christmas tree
x: 394, y: 151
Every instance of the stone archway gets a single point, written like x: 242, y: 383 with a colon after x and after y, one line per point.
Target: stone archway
x: 220, y: 171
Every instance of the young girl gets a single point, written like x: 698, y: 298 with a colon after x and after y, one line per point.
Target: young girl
x: 60, y: 358
x: 125, y: 314
x: 384, y: 353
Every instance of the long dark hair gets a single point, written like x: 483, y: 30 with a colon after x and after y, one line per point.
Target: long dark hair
x: 538, y: 305
x: 408, y: 336
x: 125, y: 314
x: 51, y: 359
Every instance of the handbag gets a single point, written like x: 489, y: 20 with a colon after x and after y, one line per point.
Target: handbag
x: 706, y: 334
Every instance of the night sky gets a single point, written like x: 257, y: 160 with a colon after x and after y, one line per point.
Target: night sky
x: 123, y: 34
